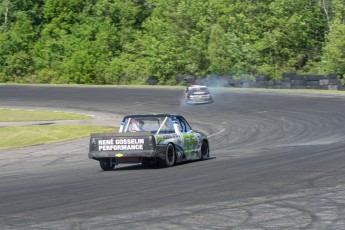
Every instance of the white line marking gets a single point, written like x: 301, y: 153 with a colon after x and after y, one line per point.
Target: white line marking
x: 217, y: 133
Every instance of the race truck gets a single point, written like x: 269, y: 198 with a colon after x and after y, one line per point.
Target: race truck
x: 162, y: 139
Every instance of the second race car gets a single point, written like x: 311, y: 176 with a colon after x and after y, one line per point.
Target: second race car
x: 198, y: 94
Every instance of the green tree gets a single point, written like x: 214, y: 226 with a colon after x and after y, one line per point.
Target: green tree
x: 15, y: 47
x: 293, y: 36
x: 113, y: 41
x: 228, y: 54
x: 333, y: 59
x: 174, y: 40
x: 18, y: 33
x: 97, y: 30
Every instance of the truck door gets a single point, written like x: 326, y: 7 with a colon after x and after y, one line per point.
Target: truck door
x: 190, y: 146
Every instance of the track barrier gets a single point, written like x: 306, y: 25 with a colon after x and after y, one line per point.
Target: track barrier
x: 289, y: 80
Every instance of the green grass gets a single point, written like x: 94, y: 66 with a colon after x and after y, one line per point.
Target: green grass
x: 12, y: 115
x: 22, y: 136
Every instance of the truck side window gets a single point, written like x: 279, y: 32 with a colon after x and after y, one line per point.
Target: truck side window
x: 167, y: 127
x: 184, y: 125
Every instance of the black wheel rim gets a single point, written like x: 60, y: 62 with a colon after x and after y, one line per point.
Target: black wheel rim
x: 170, y: 154
x: 204, y: 150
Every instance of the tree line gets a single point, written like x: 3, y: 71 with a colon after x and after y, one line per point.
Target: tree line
x: 127, y: 41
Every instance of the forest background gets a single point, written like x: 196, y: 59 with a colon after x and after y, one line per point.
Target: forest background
x: 127, y: 41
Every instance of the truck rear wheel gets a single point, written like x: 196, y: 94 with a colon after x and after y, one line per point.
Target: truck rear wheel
x: 106, y: 165
x: 170, y: 157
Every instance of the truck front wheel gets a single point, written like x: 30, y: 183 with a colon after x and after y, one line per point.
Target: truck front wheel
x: 106, y: 165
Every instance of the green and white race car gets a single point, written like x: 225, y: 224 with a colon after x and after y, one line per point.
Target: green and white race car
x: 163, y: 139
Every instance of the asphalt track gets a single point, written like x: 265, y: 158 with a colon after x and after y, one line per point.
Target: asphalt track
x: 277, y: 162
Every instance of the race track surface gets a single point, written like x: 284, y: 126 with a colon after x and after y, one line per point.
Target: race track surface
x: 277, y: 162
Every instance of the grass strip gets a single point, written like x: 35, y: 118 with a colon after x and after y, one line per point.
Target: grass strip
x: 22, y: 136
x: 13, y: 115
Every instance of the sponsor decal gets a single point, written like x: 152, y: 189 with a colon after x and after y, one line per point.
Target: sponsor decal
x: 170, y: 136
x: 118, y: 155
x: 190, y: 144
x: 121, y: 144
x: 159, y: 139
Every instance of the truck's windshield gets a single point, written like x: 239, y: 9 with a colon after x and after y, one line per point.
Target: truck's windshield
x: 154, y: 125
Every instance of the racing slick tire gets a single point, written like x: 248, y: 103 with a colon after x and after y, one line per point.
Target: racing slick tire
x: 105, y: 164
x: 170, y: 157
x: 205, y: 150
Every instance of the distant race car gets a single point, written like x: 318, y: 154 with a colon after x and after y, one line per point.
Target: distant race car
x: 164, y: 139
x: 197, y: 94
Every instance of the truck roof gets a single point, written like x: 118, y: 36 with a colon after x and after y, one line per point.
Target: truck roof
x: 153, y: 115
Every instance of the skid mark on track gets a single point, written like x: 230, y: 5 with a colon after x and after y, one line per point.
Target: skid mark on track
x: 215, y: 134
x: 289, y: 211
